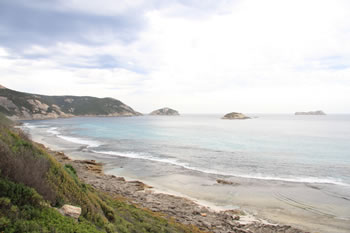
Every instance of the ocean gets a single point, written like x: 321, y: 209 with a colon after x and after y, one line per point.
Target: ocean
x: 283, y: 168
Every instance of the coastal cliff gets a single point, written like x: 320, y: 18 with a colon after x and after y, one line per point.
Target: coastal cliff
x: 319, y: 112
x: 235, y: 116
x: 165, y: 112
x: 24, y: 106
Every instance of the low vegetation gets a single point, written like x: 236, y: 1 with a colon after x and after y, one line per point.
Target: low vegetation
x: 33, y: 184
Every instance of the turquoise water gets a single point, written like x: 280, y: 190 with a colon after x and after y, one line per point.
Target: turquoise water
x: 313, y: 149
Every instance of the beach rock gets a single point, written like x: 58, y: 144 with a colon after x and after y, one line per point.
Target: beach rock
x: 139, y: 185
x: 221, y: 181
x: 70, y: 211
x: 62, y: 156
x: 165, y: 112
x: 319, y: 112
x: 235, y: 116
x: 92, y: 166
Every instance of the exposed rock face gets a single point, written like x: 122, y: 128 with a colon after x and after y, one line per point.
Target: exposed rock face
x: 70, y: 211
x: 24, y: 106
x: 319, y: 112
x: 165, y: 112
x: 235, y: 116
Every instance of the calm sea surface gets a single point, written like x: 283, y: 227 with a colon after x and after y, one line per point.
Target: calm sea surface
x: 313, y: 149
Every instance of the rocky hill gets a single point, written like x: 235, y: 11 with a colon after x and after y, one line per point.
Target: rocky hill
x: 24, y: 106
x: 165, y: 112
x: 235, y: 116
x: 319, y: 112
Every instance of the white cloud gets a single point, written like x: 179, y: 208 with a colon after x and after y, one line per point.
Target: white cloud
x: 248, y: 56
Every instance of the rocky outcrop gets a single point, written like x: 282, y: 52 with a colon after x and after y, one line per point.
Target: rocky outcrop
x: 319, y: 112
x: 235, y: 116
x: 165, y: 112
x: 24, y: 106
x: 70, y: 211
x: 92, y: 165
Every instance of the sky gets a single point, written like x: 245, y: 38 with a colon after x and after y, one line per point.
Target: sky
x: 196, y: 56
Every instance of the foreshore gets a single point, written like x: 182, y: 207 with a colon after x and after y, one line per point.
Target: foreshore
x: 309, y: 206
x: 181, y: 209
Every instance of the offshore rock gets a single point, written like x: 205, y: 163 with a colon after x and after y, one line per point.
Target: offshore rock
x: 319, y: 112
x: 165, y: 112
x: 235, y: 116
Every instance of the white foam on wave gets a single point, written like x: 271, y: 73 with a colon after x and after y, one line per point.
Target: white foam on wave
x: 33, y: 126
x: 53, y: 130
x: 146, y: 156
x: 29, y: 126
x: 89, y: 143
x: 135, y: 155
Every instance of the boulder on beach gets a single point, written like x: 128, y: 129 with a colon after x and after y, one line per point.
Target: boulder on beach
x: 235, y: 116
x: 319, y: 112
x: 165, y: 112
x: 221, y: 181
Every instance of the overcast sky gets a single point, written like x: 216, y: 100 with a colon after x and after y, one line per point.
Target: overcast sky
x: 196, y: 56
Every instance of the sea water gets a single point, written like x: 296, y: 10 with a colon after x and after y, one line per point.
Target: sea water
x: 313, y: 149
x: 284, y: 168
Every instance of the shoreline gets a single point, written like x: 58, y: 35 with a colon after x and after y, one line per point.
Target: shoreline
x: 256, y: 197
x: 179, y: 207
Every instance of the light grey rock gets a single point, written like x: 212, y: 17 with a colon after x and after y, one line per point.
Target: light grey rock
x: 235, y: 116
x: 319, y: 112
x: 70, y: 211
x: 165, y: 112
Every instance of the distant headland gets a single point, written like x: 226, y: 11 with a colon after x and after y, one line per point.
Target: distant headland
x: 24, y: 106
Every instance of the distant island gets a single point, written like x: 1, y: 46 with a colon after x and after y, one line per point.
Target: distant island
x: 235, y: 116
x: 165, y: 112
x: 319, y: 112
x: 24, y: 106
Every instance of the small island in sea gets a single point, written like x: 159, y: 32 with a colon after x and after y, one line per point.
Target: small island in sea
x: 165, y: 112
x: 235, y: 116
x: 319, y: 113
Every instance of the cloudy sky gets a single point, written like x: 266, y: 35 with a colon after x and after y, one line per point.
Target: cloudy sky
x: 197, y: 56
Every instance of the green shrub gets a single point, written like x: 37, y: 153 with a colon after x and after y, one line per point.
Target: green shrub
x: 19, y: 194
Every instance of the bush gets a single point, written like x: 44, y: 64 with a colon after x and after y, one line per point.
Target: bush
x: 26, y: 168
x: 19, y: 194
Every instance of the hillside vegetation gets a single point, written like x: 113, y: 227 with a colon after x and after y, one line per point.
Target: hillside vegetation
x: 32, y: 183
x: 20, y: 105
